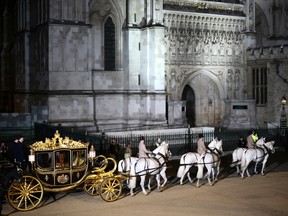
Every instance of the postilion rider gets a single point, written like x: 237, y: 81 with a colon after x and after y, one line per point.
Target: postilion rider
x: 201, y: 148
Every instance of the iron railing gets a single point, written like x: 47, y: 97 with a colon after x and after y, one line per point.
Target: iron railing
x: 179, y: 142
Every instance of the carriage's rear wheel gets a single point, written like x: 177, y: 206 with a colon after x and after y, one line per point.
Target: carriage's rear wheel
x: 110, y: 189
x: 25, y: 195
x: 91, y: 186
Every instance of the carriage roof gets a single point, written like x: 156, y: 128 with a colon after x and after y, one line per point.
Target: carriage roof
x: 58, y: 143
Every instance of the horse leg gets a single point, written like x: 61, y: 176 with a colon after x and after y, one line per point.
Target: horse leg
x: 198, y: 182
x: 186, y: 171
x: 158, y: 182
x: 132, y: 184
x: 255, y: 168
x: 210, y: 171
x: 149, y: 183
x: 189, y: 177
x: 238, y: 168
x: 243, y: 169
x: 142, y: 184
x: 247, y: 168
x: 163, y: 175
x: 263, y: 166
x: 199, y: 173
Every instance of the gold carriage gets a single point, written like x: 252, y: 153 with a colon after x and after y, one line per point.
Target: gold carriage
x: 61, y: 164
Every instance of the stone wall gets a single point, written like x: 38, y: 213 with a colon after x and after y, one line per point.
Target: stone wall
x: 17, y: 120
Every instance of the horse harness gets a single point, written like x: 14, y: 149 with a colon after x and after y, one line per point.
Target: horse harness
x: 202, y: 158
x: 154, y: 169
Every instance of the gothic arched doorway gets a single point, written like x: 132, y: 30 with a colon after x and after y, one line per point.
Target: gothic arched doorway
x: 189, y: 96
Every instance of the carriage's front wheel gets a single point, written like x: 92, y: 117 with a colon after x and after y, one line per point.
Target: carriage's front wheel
x: 25, y: 195
x: 110, y: 189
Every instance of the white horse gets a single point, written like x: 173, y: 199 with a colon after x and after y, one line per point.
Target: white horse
x: 211, y: 161
x: 236, y: 158
x: 237, y: 155
x: 257, y: 155
x: 124, y: 165
x: 188, y: 160
x: 150, y: 166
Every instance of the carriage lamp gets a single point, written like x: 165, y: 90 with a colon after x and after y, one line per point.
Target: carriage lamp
x: 31, y: 156
x: 92, y: 152
x: 283, y: 100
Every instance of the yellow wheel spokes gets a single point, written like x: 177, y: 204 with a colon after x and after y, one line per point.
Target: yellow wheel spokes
x: 91, y: 186
x: 111, y: 189
x: 26, y: 195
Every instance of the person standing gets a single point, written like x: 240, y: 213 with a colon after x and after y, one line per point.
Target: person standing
x: 143, y: 151
x: 112, y: 149
x: 19, y: 152
x: 3, y: 151
x: 201, y: 148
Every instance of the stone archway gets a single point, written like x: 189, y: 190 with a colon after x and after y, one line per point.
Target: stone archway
x: 189, y: 96
x: 208, y: 98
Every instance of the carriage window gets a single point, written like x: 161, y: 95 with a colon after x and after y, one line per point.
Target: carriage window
x: 79, y: 157
x: 44, y: 160
x: 62, y: 159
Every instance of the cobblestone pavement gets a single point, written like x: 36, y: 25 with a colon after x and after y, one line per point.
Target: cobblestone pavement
x: 231, y: 195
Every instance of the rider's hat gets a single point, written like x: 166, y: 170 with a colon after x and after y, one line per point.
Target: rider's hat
x: 201, y: 135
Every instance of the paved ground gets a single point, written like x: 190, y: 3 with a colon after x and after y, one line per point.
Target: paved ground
x: 231, y: 195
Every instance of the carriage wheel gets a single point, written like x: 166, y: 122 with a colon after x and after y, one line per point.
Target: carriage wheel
x: 91, y: 186
x: 25, y: 195
x: 110, y: 189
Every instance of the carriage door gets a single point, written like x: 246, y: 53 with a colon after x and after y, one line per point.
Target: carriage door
x: 189, y: 96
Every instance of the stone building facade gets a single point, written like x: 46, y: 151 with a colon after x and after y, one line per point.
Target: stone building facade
x: 120, y: 64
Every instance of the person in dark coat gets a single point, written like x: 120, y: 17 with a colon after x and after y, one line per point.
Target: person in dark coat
x: 19, y: 152
x: 241, y: 142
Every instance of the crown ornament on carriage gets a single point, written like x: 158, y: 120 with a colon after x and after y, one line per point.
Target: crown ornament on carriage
x: 57, y: 142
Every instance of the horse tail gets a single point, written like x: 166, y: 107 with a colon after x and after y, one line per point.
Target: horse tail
x: 181, y: 168
x: 133, y: 178
x: 120, y: 166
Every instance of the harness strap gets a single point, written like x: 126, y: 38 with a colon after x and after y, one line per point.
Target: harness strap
x: 184, y: 164
x: 154, y: 169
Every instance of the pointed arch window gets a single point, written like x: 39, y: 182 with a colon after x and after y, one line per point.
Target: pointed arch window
x: 109, y: 44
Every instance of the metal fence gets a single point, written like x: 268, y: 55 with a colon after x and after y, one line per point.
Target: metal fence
x: 179, y: 142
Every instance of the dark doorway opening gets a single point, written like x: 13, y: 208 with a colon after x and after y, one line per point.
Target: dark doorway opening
x: 189, y: 96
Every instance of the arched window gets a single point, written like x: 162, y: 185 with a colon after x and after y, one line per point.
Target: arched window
x: 109, y: 45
